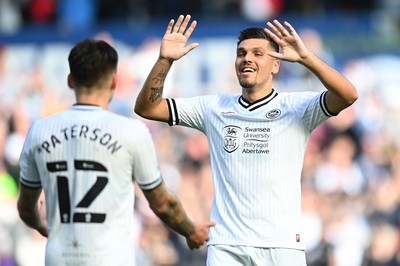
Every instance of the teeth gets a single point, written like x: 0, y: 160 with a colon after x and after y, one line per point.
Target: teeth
x: 247, y: 69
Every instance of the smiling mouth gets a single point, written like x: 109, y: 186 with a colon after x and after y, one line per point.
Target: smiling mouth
x: 248, y: 70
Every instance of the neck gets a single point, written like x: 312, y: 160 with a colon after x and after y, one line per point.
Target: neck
x: 102, y: 105
x: 101, y: 98
x: 252, y: 95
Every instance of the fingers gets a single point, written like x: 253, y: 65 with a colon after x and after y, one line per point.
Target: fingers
x: 191, y: 29
x: 181, y: 25
x: 275, y: 29
x: 211, y: 224
x: 290, y: 27
x: 282, y: 30
x: 279, y: 30
x: 272, y: 35
x: 184, y: 24
x: 178, y: 24
x: 200, y: 237
x: 169, y: 27
x: 276, y: 39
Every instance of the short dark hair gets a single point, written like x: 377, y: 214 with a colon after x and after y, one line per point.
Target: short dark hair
x: 90, y: 59
x: 256, y: 33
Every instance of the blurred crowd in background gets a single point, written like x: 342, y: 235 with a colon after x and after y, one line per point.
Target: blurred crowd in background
x: 79, y: 14
x: 351, y: 175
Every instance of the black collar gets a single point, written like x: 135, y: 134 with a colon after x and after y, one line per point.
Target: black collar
x: 257, y: 104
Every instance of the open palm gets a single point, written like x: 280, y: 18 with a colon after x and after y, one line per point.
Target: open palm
x: 293, y: 48
x: 174, y: 43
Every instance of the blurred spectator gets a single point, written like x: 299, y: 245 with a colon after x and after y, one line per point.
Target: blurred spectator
x: 87, y: 12
x: 123, y: 10
x: 260, y: 10
x: 19, y: 126
x: 319, y: 252
x: 8, y: 186
x: 76, y: 15
x: 383, y: 248
x: 388, y: 18
x: 304, y: 7
x: 8, y: 215
x: 347, y: 229
x: 340, y: 173
x: 350, y: 5
x: 220, y: 8
x: 10, y: 17
x: 42, y: 11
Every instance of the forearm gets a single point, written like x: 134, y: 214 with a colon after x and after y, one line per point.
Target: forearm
x: 31, y: 217
x: 150, y: 96
x: 169, y: 209
x: 175, y: 217
x: 29, y: 211
x: 331, y: 78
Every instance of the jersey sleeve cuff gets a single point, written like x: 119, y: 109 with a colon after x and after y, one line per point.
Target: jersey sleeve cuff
x: 322, y: 102
x: 173, y: 112
x: 30, y: 184
x: 152, y: 185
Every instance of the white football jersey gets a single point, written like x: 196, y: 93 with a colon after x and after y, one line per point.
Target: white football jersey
x: 256, y: 152
x: 86, y: 159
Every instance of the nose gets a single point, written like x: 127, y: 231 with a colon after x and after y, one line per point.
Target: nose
x: 248, y: 57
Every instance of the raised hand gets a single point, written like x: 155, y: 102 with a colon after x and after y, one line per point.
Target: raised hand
x: 200, y: 235
x: 293, y: 48
x: 174, y: 43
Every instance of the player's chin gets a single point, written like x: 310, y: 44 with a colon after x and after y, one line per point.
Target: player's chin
x: 246, y: 84
x: 245, y: 80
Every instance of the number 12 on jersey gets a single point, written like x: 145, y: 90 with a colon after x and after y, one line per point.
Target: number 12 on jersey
x: 64, y: 199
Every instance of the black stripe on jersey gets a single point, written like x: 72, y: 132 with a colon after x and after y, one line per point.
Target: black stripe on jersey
x: 94, y: 191
x: 173, y: 112
x: 30, y: 184
x: 63, y: 202
x: 322, y: 102
x: 151, y: 185
x: 259, y: 103
x: 57, y: 166
x: 170, y: 122
x: 89, y: 166
x: 89, y: 217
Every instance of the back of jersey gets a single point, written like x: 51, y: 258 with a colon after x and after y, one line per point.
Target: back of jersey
x: 85, y: 159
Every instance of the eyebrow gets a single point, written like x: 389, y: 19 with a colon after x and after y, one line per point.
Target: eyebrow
x: 252, y: 48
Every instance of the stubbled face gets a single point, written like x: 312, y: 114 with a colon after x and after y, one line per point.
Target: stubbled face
x: 254, y: 67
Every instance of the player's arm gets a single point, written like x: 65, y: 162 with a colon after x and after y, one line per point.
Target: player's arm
x: 149, y: 103
x: 341, y: 93
x: 28, y: 209
x: 170, y: 210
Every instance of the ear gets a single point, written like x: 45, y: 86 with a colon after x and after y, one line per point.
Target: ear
x: 114, y: 82
x: 275, y: 67
x: 70, y: 81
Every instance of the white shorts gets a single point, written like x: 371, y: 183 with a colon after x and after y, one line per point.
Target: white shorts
x: 224, y: 255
